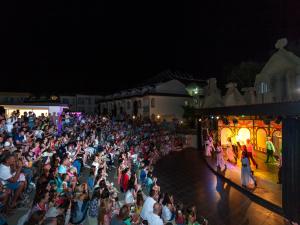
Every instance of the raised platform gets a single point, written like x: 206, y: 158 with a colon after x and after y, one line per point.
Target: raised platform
x: 267, y: 193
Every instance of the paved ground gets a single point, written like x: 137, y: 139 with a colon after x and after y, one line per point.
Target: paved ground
x: 187, y: 177
x: 266, y: 175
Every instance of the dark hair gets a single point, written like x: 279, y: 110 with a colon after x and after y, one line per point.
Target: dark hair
x: 131, y: 183
x: 124, y: 212
x: 105, y: 193
x: 152, y: 193
x: 5, y: 156
x: 35, y: 217
x: 96, y: 193
x: 139, y: 198
x: 39, y: 196
x: 166, y: 199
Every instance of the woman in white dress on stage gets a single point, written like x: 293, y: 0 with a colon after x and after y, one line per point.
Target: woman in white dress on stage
x: 208, y: 146
x: 246, y: 174
x: 220, y: 158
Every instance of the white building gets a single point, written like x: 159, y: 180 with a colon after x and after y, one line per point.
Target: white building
x: 160, y: 100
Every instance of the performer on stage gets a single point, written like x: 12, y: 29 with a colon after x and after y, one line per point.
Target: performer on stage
x: 246, y: 173
x: 251, y: 153
x: 220, y: 158
x: 208, y: 146
x: 235, y: 147
x: 270, y: 150
x: 230, y: 153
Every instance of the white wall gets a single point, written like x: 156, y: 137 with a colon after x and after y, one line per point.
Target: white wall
x: 168, y: 106
x: 171, y: 87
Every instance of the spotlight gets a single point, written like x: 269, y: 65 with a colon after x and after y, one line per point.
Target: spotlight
x: 199, y: 119
x: 133, y: 117
x: 217, y: 117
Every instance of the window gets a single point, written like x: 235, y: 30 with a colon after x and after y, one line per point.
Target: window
x: 263, y: 88
x: 152, y: 102
x: 80, y: 101
x: 88, y: 100
x: 65, y: 101
x: 128, y: 105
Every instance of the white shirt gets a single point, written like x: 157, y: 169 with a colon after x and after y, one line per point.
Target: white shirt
x: 166, y: 213
x: 154, y: 219
x: 129, y: 199
x: 5, y: 173
x: 147, y: 209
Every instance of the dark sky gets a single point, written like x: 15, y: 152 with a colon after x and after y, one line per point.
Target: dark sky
x: 112, y: 45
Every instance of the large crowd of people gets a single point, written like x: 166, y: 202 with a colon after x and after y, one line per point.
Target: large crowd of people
x: 81, y: 169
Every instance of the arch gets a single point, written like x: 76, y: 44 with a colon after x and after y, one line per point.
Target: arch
x: 242, y: 135
x: 261, y: 138
x: 225, y: 134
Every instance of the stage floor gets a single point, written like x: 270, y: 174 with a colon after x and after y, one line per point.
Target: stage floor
x: 266, y: 175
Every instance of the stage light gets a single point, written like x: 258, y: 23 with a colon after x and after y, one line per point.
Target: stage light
x: 133, y: 117
x: 199, y: 119
x: 212, y: 117
x: 158, y: 116
x: 217, y: 117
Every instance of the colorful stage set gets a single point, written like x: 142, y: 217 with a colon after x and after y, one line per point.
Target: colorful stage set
x: 241, y: 128
x: 280, y: 121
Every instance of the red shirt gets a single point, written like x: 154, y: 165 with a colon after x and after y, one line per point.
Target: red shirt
x: 125, y: 182
x: 250, y: 148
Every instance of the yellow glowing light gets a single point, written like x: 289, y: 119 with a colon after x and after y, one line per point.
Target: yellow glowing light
x: 158, y: 116
x: 217, y: 117
x: 243, y: 135
x: 133, y: 117
x: 200, y: 120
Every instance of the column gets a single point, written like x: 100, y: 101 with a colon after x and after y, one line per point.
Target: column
x: 291, y: 168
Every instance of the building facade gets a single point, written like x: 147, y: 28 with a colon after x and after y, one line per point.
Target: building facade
x: 160, y: 100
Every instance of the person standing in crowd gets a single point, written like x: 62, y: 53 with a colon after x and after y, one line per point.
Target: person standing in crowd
x: 12, y: 181
x: 250, y: 153
x: 47, y: 156
x: 246, y: 173
x: 148, y: 204
x: 154, y: 216
x: 270, y: 150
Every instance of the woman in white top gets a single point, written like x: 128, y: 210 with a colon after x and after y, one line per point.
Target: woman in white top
x: 168, y: 210
x: 130, y: 194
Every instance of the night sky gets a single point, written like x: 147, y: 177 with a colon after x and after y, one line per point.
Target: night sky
x: 45, y: 45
